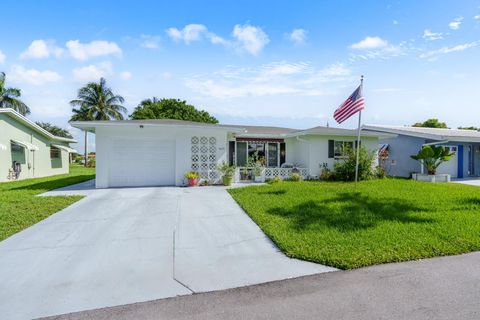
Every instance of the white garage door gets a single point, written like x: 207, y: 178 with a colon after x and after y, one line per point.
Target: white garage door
x: 141, y: 162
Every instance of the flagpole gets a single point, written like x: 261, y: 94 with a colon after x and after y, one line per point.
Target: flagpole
x: 358, y: 136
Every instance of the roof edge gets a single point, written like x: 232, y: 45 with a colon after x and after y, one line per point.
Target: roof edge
x: 34, y: 126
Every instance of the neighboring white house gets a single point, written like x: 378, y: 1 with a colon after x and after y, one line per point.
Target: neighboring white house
x: 29, y: 151
x: 409, y: 140
x: 160, y: 152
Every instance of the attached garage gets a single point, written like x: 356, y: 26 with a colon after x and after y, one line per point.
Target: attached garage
x: 141, y: 162
x: 137, y: 153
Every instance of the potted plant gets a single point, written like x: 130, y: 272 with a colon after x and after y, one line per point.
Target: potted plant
x: 256, y: 164
x: 227, y: 172
x: 192, y: 177
x: 432, y: 157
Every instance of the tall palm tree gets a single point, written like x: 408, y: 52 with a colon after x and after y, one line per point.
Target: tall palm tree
x: 96, y: 101
x: 9, y: 98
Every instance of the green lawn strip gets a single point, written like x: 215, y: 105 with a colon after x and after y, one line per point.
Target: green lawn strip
x: 20, y: 208
x: 380, y: 221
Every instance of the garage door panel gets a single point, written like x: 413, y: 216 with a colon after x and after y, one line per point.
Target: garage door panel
x: 142, y: 162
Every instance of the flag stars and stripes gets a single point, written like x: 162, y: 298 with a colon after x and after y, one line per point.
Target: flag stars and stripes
x: 352, y: 105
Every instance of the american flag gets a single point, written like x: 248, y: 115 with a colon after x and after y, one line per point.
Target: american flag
x: 352, y: 105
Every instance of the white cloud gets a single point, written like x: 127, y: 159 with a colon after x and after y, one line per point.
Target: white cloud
x: 190, y: 33
x: 429, y: 35
x: 370, y: 43
x: 92, y: 72
x: 32, y: 76
x: 40, y: 49
x: 149, y: 41
x: 3, y: 57
x: 195, y: 32
x: 297, y: 36
x: 455, y: 24
x: 125, y: 75
x: 477, y: 17
x: 251, y: 39
x: 395, y: 22
x: 278, y: 78
x: 167, y: 75
x: 461, y: 47
x: 85, y: 51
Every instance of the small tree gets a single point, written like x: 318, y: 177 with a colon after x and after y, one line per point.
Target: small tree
x: 432, y: 157
x: 345, y: 168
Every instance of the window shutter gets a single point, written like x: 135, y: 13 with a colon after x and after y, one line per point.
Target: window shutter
x: 331, y: 151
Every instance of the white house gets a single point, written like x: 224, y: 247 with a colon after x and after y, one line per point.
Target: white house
x: 160, y: 152
x: 29, y: 151
x: 409, y: 140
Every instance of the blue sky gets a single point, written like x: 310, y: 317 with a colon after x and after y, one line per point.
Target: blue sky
x: 286, y: 63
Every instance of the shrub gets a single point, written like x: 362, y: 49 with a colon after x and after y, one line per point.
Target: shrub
x: 226, y: 169
x: 275, y: 180
x: 380, y: 173
x: 92, y: 163
x: 325, y: 173
x: 345, y: 167
x: 296, y: 177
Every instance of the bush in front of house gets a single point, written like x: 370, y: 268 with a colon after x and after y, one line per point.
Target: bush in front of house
x: 345, y: 167
x: 275, y: 180
x: 295, y: 177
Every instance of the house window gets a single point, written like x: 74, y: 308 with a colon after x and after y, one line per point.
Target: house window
x: 257, y: 148
x: 340, y: 148
x: 241, y: 154
x: 54, y: 153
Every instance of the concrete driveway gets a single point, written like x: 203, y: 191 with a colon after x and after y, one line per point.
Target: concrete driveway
x: 120, y: 246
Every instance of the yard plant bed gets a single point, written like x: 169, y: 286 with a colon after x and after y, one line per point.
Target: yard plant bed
x: 379, y: 221
x: 20, y: 208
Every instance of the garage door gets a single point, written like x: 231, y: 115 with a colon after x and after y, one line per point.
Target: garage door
x: 141, y: 162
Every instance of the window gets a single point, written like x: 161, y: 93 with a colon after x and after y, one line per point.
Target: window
x: 259, y: 149
x: 54, y: 153
x: 273, y: 154
x: 340, y: 147
x: 241, y: 154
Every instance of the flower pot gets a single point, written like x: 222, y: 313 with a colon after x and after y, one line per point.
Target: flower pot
x: 227, y: 180
x: 192, y: 182
x: 258, y: 179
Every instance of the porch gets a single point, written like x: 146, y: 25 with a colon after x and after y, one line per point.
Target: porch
x: 243, y: 174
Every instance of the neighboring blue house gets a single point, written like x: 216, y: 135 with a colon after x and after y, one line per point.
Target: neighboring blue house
x: 409, y: 140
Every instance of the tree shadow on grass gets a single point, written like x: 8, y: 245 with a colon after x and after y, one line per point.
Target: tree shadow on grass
x: 274, y: 192
x: 350, y: 211
x: 55, y: 183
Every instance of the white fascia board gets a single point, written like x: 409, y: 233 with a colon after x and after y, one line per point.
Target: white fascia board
x: 92, y: 125
x: 33, y: 125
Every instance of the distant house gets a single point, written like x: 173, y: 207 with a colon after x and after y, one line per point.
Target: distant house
x: 409, y: 140
x: 159, y: 152
x: 29, y: 151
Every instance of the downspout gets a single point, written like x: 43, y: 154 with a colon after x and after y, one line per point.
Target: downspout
x: 430, y: 144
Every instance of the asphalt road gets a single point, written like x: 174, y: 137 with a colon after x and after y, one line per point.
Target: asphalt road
x: 439, y: 288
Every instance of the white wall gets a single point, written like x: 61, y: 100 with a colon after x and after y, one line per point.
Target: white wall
x: 181, y: 136
x: 312, y: 151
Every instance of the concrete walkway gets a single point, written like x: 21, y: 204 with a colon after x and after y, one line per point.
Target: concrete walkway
x: 468, y: 181
x: 438, y: 289
x: 120, y: 246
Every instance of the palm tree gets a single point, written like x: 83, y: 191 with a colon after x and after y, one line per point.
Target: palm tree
x: 96, y: 101
x: 9, y: 97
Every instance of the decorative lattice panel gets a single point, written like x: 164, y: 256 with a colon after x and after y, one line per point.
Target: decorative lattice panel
x: 204, y: 158
x: 283, y: 173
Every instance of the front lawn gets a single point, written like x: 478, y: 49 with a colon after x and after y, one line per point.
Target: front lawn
x: 20, y: 208
x: 380, y: 221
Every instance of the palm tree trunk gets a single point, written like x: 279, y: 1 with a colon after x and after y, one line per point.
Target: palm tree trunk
x: 85, y: 164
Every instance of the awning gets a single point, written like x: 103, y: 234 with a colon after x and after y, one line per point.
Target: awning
x: 259, y: 140
x: 2, y: 147
x: 64, y: 148
x: 26, y: 145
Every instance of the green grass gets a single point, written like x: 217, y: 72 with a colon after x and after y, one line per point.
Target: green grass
x: 20, y: 208
x: 380, y: 221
